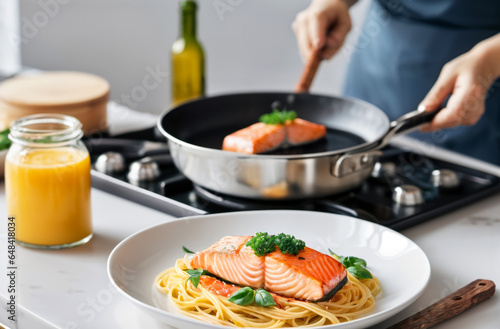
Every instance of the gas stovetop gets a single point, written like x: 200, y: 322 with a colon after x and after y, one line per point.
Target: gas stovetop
x: 405, y: 188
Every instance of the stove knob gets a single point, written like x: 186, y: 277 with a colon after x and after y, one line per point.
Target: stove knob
x: 445, y: 178
x: 386, y: 169
x: 407, y: 195
x: 143, y: 170
x: 110, y: 163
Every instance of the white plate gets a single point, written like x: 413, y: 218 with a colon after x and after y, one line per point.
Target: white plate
x: 401, y: 266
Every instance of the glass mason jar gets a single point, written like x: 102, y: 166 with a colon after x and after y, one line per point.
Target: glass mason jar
x: 47, y: 182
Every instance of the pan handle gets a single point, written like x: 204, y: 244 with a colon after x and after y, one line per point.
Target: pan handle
x: 351, y: 163
x: 355, y: 161
x: 407, y: 123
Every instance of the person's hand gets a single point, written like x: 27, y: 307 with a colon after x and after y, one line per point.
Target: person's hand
x: 467, y: 78
x: 323, y: 25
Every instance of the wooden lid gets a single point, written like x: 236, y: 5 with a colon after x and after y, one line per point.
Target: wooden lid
x: 53, y: 90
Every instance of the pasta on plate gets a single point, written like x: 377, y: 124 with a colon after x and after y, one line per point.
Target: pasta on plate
x: 355, y: 299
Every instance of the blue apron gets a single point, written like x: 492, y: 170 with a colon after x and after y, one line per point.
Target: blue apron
x: 399, y: 54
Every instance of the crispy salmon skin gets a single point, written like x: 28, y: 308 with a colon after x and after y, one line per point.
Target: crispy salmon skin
x: 309, y: 275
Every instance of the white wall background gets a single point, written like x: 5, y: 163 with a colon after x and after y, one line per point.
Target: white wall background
x: 249, y: 47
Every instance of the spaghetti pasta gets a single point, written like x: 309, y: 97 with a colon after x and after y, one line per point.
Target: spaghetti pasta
x: 355, y: 299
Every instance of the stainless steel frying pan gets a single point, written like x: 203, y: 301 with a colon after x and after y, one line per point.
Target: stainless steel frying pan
x: 356, y: 130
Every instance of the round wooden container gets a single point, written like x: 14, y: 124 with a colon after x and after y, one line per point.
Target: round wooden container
x: 81, y: 95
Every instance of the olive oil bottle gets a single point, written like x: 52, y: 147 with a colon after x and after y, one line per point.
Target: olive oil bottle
x: 188, y: 58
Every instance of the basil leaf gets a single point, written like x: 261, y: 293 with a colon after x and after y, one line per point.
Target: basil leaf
x: 332, y: 253
x: 354, y: 265
x: 351, y: 261
x: 192, y: 272
x: 243, y: 296
x: 264, y: 298
x: 195, y: 280
x: 347, y: 261
x: 194, y: 276
x: 359, y: 272
x: 4, y: 139
x: 337, y: 257
x: 187, y: 250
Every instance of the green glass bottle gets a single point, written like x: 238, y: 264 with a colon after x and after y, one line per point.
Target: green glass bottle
x: 188, y: 58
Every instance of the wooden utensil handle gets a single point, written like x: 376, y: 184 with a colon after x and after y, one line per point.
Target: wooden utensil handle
x: 450, y: 306
x: 308, y: 72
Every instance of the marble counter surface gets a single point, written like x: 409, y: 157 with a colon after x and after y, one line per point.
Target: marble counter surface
x: 70, y: 289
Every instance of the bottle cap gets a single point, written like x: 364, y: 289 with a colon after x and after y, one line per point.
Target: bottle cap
x: 189, y: 5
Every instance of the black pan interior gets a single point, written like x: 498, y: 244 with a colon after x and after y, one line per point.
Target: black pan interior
x: 206, y: 122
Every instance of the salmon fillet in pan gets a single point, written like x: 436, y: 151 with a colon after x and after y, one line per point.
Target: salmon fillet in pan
x: 257, y: 138
x: 261, y: 137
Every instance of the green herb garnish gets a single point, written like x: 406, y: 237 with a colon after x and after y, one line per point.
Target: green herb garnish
x: 263, y: 244
x: 264, y: 298
x: 194, y: 276
x: 277, y: 117
x: 243, y: 296
x: 353, y: 261
x: 337, y: 257
x: 4, y: 139
x: 359, y: 272
x: 354, y: 265
x: 246, y: 296
x: 288, y: 244
x: 187, y: 250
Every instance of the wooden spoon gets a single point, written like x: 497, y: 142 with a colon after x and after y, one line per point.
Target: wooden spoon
x: 450, y: 306
x: 308, y: 72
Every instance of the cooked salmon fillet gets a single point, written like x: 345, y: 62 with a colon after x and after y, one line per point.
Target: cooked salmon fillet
x: 231, y: 260
x: 261, y: 137
x: 301, y: 131
x: 257, y: 138
x: 218, y: 287
x: 310, y: 275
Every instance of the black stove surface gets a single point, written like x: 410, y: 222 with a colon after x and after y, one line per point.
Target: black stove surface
x: 176, y: 195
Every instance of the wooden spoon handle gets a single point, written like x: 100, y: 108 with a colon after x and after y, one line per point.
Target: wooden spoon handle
x: 450, y: 306
x: 308, y: 73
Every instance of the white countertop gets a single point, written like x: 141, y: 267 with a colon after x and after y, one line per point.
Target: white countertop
x: 70, y: 288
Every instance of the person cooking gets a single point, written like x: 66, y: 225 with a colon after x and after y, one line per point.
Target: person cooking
x: 420, y: 54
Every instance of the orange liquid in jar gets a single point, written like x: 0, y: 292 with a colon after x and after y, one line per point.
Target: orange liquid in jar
x: 48, y: 193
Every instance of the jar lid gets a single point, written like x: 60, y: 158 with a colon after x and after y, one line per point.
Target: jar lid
x: 53, y: 90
